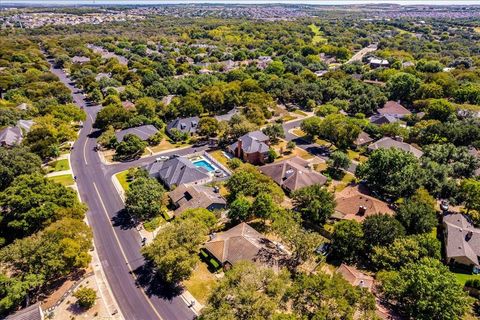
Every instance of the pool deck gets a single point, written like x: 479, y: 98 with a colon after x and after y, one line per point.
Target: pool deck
x: 214, y: 163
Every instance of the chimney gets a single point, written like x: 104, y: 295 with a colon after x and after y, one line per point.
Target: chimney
x: 216, y: 189
x: 361, y: 210
x: 468, y: 236
x: 238, y: 152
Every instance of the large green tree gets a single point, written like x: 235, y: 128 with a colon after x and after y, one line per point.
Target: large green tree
x: 131, y: 147
x: 315, y: 203
x: 320, y: 296
x: 144, y: 198
x: 247, y: 292
x: 174, y: 251
x: 347, y: 240
x: 418, y: 213
x: 403, y: 86
x: 15, y: 162
x: 425, y: 290
x: 33, y: 202
x: 381, y: 229
x: 405, y: 250
x: 392, y: 172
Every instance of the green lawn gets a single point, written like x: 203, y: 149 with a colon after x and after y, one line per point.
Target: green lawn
x: 59, y: 165
x: 300, y: 112
x: 153, y: 224
x: 122, y: 178
x: 201, y: 283
x: 220, y: 157
x: 462, y: 277
x: 65, y: 179
x: 354, y: 155
x: 317, y: 38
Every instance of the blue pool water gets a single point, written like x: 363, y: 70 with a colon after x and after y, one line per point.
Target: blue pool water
x: 204, y: 164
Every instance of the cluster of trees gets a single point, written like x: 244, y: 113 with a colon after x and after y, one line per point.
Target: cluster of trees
x: 175, y: 251
x: 43, y: 237
x: 26, y: 79
x: 251, y: 292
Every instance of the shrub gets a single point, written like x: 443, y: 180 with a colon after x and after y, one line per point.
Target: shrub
x: 85, y: 297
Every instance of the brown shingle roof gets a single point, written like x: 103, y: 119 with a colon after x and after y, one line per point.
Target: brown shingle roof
x: 293, y: 174
x: 189, y: 197
x: 362, y: 139
x: 354, y: 205
x: 394, y: 108
x: 355, y: 277
x: 239, y: 243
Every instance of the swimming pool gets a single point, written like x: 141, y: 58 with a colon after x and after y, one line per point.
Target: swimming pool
x: 204, y: 164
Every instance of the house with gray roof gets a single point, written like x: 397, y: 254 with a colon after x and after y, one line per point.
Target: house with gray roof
x: 144, y: 132
x: 80, y: 59
x: 25, y: 125
x: 251, y: 147
x: 177, y: 171
x: 11, y: 136
x: 184, y: 125
x: 387, y: 143
x: 33, y: 312
x: 380, y: 119
x: 462, y: 240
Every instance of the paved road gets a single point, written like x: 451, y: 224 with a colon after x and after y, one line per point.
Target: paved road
x: 118, y: 246
x: 308, y: 146
x: 360, y: 54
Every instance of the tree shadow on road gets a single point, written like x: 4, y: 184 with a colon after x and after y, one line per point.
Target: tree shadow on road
x: 154, y: 285
x: 123, y: 220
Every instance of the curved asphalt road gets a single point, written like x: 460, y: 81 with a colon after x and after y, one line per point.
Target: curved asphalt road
x: 118, y: 248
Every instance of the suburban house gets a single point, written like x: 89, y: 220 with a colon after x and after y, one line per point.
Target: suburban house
x: 394, y: 109
x: 355, y: 277
x: 243, y: 243
x: 293, y: 174
x: 102, y: 75
x: 23, y: 106
x: 462, y: 241
x: 11, y: 136
x: 184, y: 125
x: 380, y: 119
x: 80, y: 59
x: 25, y: 125
x: 177, y: 171
x: 362, y: 139
x: 474, y: 152
x: 387, y: 143
x: 359, y: 279
x: 251, y: 147
x: 128, y: 105
x: 378, y: 63
x: 144, y: 132
x: 186, y: 197
x: 33, y: 312
x: 352, y: 204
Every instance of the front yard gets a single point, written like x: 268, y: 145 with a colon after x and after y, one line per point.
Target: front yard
x: 58, y: 165
x: 123, y: 180
x: 201, y: 283
x: 281, y: 149
x: 65, y: 179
